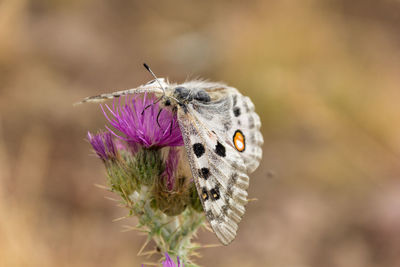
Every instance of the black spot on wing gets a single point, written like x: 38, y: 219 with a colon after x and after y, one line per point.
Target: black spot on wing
x: 204, y: 173
x: 236, y: 111
x: 220, y: 150
x: 215, y: 193
x: 204, y: 194
x: 198, y: 150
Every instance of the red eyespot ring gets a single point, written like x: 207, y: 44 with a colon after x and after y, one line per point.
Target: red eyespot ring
x: 239, y: 141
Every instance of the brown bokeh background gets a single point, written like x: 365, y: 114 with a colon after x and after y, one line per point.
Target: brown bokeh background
x: 324, y: 76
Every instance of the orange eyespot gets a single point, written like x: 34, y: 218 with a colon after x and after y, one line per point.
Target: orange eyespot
x: 238, y: 141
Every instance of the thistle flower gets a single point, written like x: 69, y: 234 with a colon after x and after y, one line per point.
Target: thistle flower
x: 141, y: 150
x: 143, y: 122
x: 103, y: 145
x: 170, y: 263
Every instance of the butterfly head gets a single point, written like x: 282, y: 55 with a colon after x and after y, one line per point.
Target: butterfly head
x: 181, y: 95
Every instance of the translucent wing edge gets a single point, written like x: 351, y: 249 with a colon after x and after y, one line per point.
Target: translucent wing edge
x: 103, y: 97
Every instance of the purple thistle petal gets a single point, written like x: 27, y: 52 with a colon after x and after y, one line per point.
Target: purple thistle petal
x: 169, y: 262
x: 179, y: 263
x: 137, y: 121
x: 97, y: 145
x: 103, y: 145
x: 120, y: 145
x: 109, y: 144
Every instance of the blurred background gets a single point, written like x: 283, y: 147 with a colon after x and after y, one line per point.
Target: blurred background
x: 324, y: 77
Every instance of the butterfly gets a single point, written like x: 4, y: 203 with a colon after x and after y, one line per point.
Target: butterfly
x: 221, y: 133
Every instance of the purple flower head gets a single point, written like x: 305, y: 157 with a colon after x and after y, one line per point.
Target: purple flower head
x: 143, y: 122
x: 170, y: 263
x: 103, y: 145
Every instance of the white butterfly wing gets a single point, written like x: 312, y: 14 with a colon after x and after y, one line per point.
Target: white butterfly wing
x: 150, y: 87
x: 237, y: 122
x: 245, y: 130
x: 219, y: 173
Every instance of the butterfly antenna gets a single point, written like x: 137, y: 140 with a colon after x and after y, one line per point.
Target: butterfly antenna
x: 158, y: 100
x: 152, y: 73
x: 155, y: 77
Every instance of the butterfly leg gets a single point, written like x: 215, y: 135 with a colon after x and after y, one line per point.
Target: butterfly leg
x: 170, y: 127
x: 158, y: 116
x: 155, y: 102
